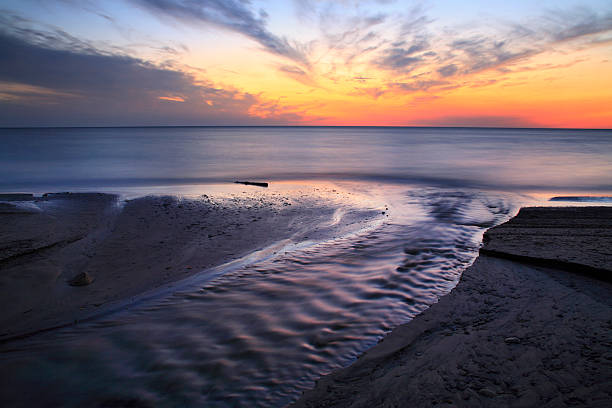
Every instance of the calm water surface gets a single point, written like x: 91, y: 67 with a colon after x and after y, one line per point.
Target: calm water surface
x: 498, y: 158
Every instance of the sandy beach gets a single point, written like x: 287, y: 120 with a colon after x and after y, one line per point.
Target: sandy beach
x: 517, y: 334
x: 77, y: 255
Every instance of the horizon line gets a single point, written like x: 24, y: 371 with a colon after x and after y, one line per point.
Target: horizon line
x: 299, y: 126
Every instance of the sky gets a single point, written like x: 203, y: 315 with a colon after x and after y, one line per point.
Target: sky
x: 306, y: 62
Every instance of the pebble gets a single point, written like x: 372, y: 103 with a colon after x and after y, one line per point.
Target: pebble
x: 485, y: 392
x: 512, y: 340
x: 82, y: 279
x: 556, y: 364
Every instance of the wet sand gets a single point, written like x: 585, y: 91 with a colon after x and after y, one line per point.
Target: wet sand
x: 517, y: 334
x: 66, y: 257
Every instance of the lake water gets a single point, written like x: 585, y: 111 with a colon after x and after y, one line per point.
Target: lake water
x: 259, y: 334
x: 577, y: 160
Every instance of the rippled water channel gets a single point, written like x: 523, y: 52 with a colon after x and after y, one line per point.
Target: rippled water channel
x: 259, y: 334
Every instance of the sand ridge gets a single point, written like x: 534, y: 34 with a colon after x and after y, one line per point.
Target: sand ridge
x: 574, y: 238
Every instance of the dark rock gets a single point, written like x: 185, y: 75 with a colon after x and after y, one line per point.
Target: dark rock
x: 486, y: 392
x: 556, y: 364
x: 82, y: 279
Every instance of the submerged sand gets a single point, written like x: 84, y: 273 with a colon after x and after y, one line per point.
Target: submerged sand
x: 67, y: 257
x: 510, y: 334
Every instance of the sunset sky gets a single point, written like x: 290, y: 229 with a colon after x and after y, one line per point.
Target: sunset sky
x: 306, y: 62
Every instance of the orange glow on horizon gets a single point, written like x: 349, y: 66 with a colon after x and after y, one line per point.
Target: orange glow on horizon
x: 563, y: 92
x: 317, y: 63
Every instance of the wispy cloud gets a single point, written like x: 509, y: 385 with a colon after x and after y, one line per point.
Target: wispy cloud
x: 453, y: 55
x: 297, y: 74
x: 16, y: 92
x: 420, y: 85
x: 233, y: 15
x: 478, y: 53
x: 448, y: 70
x: 510, y: 43
x: 574, y: 23
x: 171, y: 98
x: 403, y: 58
x: 404, y: 88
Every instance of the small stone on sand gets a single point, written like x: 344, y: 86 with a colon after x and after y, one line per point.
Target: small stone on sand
x: 556, y: 364
x: 82, y: 279
x: 485, y: 392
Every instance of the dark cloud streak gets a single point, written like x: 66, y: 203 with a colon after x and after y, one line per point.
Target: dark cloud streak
x: 567, y: 25
x: 448, y: 70
x: 52, y: 85
x: 82, y: 73
x: 233, y: 15
x: 403, y: 58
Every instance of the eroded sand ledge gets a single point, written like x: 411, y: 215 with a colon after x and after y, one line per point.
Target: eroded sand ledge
x: 510, y: 334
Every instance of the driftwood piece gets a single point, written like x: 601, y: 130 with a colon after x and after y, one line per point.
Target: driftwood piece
x: 252, y: 183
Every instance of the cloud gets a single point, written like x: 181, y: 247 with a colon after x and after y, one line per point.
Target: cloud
x: 15, y: 92
x: 421, y: 85
x: 372, y: 92
x: 83, y: 73
x: 398, y: 59
x: 512, y: 43
x: 171, y: 98
x: 415, y: 22
x: 297, y: 74
x: 481, y: 52
x: 456, y: 52
x: 19, y: 27
x: 477, y: 121
x: 53, y: 85
x: 402, y: 88
x: 575, y: 23
x: 402, y: 58
x: 293, y: 70
x: 411, y: 47
x: 279, y: 112
x: 448, y: 70
x: 233, y: 15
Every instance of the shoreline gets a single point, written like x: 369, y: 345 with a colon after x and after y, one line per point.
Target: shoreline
x: 79, y: 256
x: 510, y: 333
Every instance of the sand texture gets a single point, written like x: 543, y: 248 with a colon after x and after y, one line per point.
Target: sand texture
x: 67, y: 257
x: 570, y: 237
x: 510, y: 334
